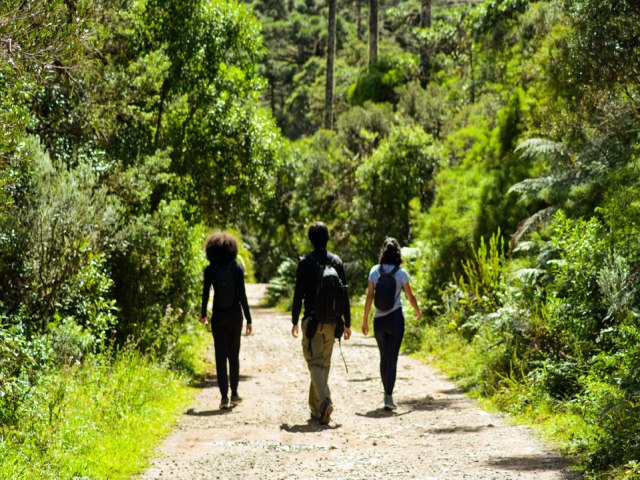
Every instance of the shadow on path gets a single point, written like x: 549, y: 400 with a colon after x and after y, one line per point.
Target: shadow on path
x: 365, y: 379
x: 459, y: 429
x: 533, y: 463
x: 207, y: 413
x: 429, y: 403
x: 382, y: 413
x: 310, y: 427
x: 211, y: 382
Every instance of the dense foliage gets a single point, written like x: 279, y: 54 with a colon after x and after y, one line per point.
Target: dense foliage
x: 499, y: 140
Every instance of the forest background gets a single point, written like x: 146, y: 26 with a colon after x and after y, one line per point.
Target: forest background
x: 497, y: 140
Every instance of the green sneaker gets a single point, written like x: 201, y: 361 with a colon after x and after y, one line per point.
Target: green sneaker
x: 389, y: 404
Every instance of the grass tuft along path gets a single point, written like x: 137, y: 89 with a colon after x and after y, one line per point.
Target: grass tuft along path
x: 436, y: 433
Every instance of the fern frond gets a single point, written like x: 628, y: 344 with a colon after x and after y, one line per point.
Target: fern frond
x: 541, y: 148
x: 528, y: 276
x: 530, y: 224
x: 530, y: 187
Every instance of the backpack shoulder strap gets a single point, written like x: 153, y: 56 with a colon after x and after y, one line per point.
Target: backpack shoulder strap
x: 393, y: 272
x: 320, y: 268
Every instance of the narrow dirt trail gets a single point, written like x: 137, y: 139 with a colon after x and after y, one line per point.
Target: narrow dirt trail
x: 436, y: 433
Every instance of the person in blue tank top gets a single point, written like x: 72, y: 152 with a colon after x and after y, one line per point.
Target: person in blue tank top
x: 388, y: 324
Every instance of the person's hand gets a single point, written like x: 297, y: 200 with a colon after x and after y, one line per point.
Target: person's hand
x: 419, y: 314
x: 249, y: 329
x: 347, y: 333
x: 294, y: 331
x: 205, y: 320
x: 365, y: 328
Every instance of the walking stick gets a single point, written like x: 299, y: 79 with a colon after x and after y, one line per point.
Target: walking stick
x: 342, y: 355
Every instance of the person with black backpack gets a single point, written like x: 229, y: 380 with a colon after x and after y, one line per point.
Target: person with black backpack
x: 226, y: 276
x: 386, y: 282
x: 322, y: 285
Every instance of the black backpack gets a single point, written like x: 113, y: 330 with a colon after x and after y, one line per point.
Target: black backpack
x: 385, y: 293
x: 330, y: 294
x: 224, y: 286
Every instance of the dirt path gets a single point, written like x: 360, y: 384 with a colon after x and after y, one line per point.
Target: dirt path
x: 437, y: 433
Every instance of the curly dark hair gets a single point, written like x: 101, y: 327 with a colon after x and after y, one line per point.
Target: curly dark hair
x: 221, y: 247
x: 390, y: 253
x: 319, y: 235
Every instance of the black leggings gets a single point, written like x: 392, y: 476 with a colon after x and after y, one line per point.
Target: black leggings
x: 226, y: 340
x: 389, y: 331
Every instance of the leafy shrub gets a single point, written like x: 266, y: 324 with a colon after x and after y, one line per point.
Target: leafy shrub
x: 64, y: 221
x: 281, y: 286
x: 428, y: 106
x: 405, y: 164
x: 616, y: 405
x: 22, y: 363
x: 482, y: 280
x: 573, y: 304
x: 69, y: 342
x: 362, y: 128
x: 378, y: 83
x: 161, y: 265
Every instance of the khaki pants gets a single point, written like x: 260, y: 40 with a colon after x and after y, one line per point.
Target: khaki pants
x: 318, y: 359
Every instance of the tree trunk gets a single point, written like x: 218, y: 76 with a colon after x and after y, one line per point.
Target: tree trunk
x: 425, y: 22
x: 373, y: 31
x: 331, y: 54
x: 359, y: 19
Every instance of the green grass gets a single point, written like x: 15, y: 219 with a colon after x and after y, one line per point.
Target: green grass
x: 100, y: 420
x: 357, y: 310
x: 555, y: 421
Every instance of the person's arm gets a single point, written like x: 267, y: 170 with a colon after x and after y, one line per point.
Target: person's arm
x: 298, y: 295
x: 412, y: 300
x: 206, y: 290
x: 367, y: 309
x: 243, y: 300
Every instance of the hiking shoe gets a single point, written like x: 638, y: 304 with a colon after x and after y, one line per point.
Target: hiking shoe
x: 389, y: 404
x: 325, y: 412
x: 224, y: 403
x: 235, y: 399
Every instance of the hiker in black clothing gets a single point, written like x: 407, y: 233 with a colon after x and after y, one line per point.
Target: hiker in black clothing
x: 388, y: 319
x: 226, y: 276
x: 318, y: 327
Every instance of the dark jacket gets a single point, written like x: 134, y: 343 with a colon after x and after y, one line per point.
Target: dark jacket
x: 307, y: 283
x: 233, y: 313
